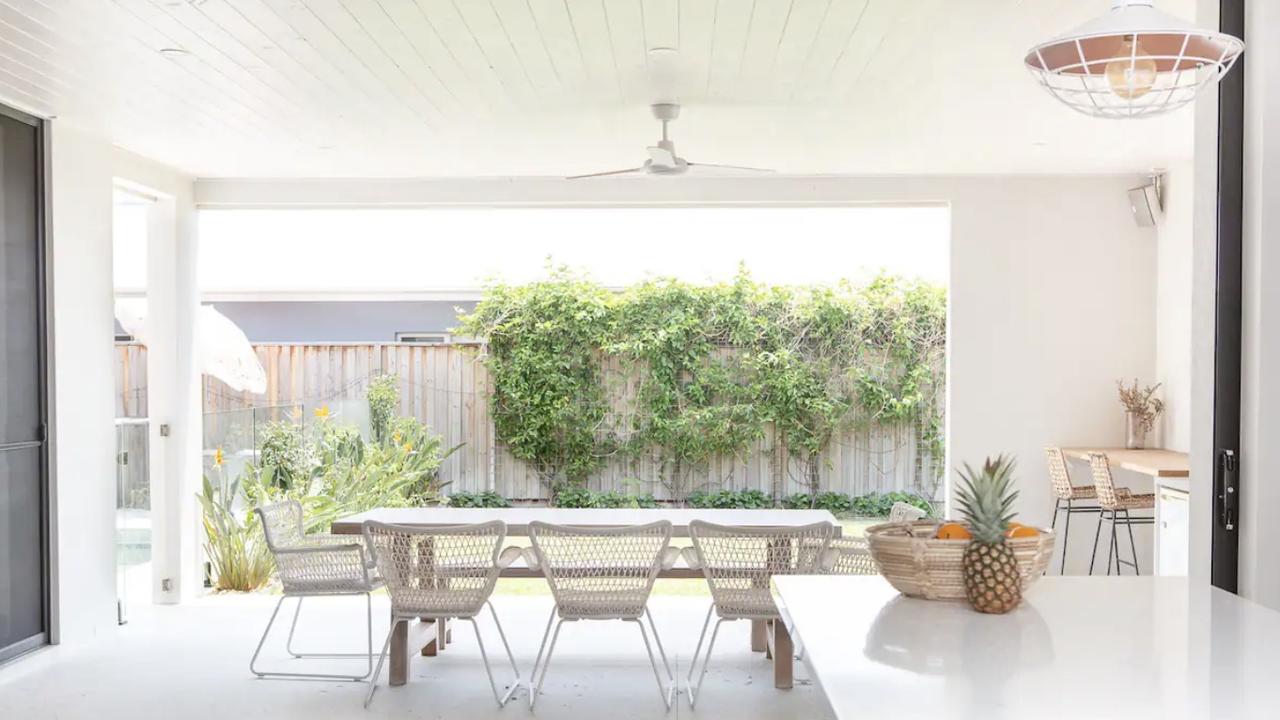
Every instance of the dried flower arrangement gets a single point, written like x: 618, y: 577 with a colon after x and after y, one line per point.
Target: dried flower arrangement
x: 1141, y: 403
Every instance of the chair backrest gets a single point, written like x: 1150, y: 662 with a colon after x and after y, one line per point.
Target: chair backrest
x: 437, y: 571
x: 282, y: 524
x: 852, y: 557
x: 738, y: 562
x: 1059, y: 477
x: 1103, y: 483
x: 600, y: 572
x: 904, y: 512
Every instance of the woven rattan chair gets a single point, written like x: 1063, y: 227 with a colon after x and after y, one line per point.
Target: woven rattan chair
x: 315, y: 565
x: 602, y: 574
x: 905, y: 512
x: 1068, y: 498
x: 442, y: 573
x: 1116, y: 504
x: 738, y: 563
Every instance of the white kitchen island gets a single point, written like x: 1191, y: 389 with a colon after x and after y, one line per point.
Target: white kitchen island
x: 1078, y: 647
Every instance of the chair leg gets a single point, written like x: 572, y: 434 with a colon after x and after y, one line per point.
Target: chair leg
x: 663, y: 689
x: 706, y: 661
x: 1133, y: 546
x: 661, y: 651
x: 533, y: 696
x: 1096, y: 534
x: 293, y: 626
x: 515, y: 684
x: 1066, y: 537
x: 693, y: 661
x: 1112, y: 550
x: 382, y: 656
x: 253, y: 662
x: 484, y: 658
x: 537, y: 660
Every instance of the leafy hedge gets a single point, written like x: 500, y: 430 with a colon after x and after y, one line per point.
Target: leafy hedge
x: 580, y: 497
x: 714, y: 367
x: 486, y: 499
x: 731, y: 499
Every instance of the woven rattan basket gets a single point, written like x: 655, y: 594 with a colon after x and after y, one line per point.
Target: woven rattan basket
x: 919, y: 566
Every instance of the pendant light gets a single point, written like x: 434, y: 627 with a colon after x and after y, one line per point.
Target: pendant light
x: 1135, y: 61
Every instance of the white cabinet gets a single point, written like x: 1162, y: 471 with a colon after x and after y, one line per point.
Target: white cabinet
x: 1173, y: 530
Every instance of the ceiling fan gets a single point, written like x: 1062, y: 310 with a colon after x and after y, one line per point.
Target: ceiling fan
x: 662, y: 157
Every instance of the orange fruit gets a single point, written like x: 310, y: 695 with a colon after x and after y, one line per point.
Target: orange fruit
x: 954, y: 531
x: 1018, y: 530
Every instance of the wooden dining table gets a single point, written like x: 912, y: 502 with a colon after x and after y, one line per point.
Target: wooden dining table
x: 426, y: 637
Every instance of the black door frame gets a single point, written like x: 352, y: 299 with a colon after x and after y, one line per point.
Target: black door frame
x: 44, y: 343
x: 1228, y: 306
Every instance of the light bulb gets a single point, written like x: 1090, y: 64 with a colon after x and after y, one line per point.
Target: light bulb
x: 1134, y: 74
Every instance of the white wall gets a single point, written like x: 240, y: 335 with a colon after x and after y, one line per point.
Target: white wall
x: 1173, y: 307
x: 1053, y: 287
x: 83, y: 169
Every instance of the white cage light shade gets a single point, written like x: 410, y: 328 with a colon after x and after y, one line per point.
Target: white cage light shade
x: 1135, y: 61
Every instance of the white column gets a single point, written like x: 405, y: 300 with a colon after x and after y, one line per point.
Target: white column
x: 173, y: 300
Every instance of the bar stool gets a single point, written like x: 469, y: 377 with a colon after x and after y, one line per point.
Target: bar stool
x: 1117, y: 502
x: 1068, y: 498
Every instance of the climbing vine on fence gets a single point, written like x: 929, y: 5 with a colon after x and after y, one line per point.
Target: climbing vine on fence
x: 710, y: 368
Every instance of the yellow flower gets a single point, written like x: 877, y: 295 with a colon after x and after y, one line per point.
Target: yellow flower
x: 218, y: 458
x: 322, y: 412
x: 408, y: 447
x: 395, y: 437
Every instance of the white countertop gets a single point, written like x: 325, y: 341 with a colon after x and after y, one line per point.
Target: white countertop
x: 1078, y: 647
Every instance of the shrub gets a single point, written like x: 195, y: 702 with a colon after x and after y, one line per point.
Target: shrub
x: 836, y: 502
x: 486, y: 499
x: 383, y: 397
x: 798, y: 501
x: 579, y: 497
x: 734, y: 499
x: 285, y: 451
x: 234, y: 543
x: 879, y: 504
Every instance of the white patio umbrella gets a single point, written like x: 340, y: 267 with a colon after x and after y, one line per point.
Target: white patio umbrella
x: 222, y: 349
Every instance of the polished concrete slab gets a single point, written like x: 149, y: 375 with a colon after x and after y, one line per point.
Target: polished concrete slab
x: 191, y: 662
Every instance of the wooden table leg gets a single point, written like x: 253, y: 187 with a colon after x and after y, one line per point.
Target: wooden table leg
x: 783, y: 656
x: 399, y: 672
x: 440, y: 639
x: 759, y: 636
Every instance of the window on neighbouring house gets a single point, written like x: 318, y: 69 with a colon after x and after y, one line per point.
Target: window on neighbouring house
x: 422, y: 338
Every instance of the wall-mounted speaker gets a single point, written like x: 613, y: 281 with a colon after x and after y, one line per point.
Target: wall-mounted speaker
x: 1147, y: 202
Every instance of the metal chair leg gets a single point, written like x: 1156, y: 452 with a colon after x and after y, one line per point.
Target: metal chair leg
x: 664, y: 690
x: 1133, y: 546
x: 693, y: 661
x: 658, y: 641
x: 484, y: 658
x: 1112, y: 549
x: 1066, y: 536
x: 506, y: 646
x: 706, y: 661
x: 537, y: 660
x: 293, y: 626
x: 1096, y: 534
x: 373, y: 679
x: 253, y: 662
x: 533, y: 696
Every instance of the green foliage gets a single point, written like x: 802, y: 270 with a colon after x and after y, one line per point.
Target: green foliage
x: 486, y: 499
x: 234, y: 543
x: 710, y: 369
x: 985, y: 498
x: 734, y: 499
x: 879, y: 504
x: 579, y: 497
x: 543, y: 342
x: 383, y: 397
x: 283, y: 447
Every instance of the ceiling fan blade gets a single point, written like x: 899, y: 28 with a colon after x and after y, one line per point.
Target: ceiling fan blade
x: 606, y: 173
x: 661, y: 157
x: 743, y: 168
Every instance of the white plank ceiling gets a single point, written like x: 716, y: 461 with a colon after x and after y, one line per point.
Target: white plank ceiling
x: 421, y: 88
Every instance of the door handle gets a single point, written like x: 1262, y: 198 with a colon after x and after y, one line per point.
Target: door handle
x: 1226, y: 489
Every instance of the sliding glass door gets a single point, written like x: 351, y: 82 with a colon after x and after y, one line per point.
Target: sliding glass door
x: 24, y: 582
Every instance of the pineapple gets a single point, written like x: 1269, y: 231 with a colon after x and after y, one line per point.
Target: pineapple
x: 991, y: 578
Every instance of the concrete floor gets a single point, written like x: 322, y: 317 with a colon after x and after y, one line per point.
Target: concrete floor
x: 191, y: 662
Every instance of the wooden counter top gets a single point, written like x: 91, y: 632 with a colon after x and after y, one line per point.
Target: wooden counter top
x: 1154, y: 462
